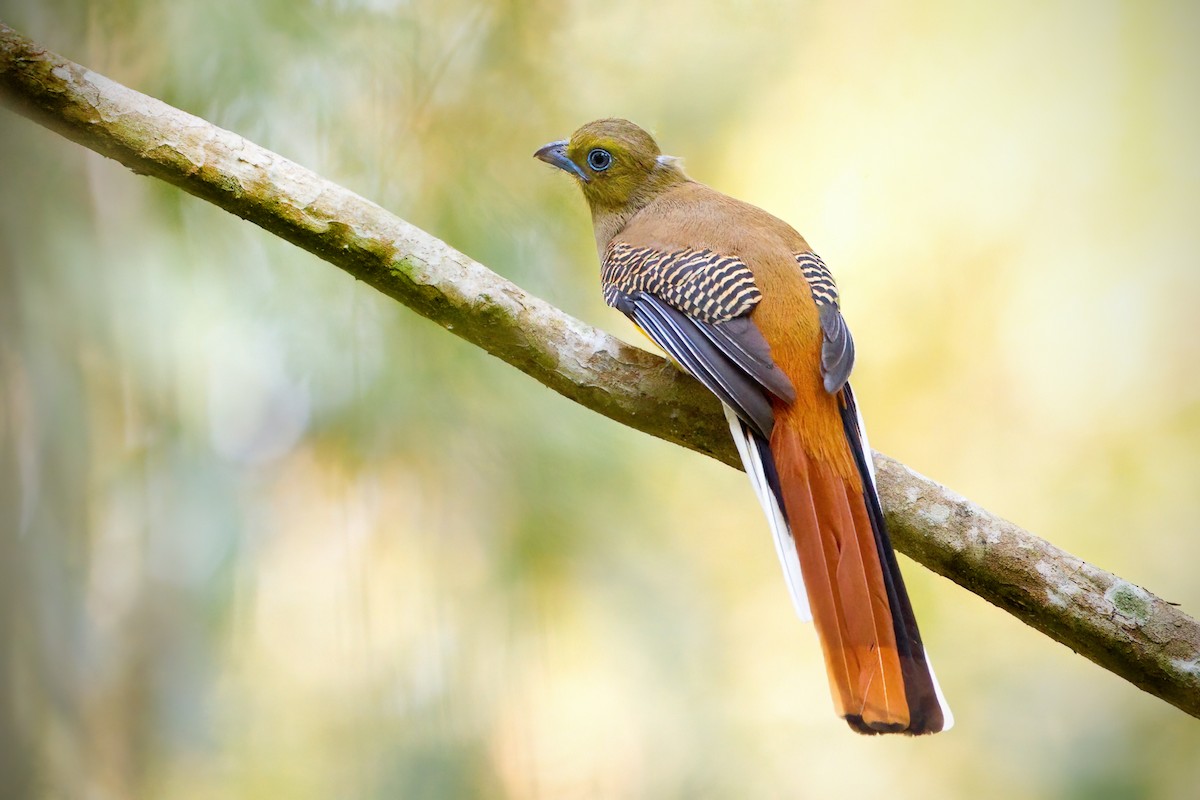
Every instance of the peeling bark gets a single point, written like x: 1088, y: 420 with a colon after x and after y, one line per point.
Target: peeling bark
x: 1120, y: 626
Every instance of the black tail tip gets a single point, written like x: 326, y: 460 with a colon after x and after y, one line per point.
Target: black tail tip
x: 914, y: 728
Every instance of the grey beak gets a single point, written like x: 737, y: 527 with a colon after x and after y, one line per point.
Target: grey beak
x: 555, y: 154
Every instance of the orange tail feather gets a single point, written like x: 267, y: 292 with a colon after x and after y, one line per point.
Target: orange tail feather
x: 878, y: 674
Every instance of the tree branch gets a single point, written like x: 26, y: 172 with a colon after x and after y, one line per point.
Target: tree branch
x: 1116, y: 624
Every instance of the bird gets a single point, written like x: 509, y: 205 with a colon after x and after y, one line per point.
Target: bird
x: 738, y: 300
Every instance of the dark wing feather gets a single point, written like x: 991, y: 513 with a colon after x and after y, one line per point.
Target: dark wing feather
x: 695, y: 304
x: 837, y: 351
x: 697, y: 351
x: 741, y: 340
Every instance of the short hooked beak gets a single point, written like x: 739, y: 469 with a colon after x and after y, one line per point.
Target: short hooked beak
x: 555, y: 154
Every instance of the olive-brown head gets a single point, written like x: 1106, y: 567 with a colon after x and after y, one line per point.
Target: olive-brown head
x: 618, y: 166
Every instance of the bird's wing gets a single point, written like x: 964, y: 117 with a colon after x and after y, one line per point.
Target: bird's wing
x: 701, y: 319
x: 837, y: 348
x: 694, y: 304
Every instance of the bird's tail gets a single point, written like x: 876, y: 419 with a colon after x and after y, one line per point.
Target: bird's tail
x: 842, y: 573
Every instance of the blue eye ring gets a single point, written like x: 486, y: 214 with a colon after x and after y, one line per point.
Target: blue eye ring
x: 599, y: 159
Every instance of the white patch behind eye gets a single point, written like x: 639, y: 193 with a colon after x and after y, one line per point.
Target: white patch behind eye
x: 670, y: 161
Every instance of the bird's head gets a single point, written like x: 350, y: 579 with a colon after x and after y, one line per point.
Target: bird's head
x: 618, y: 165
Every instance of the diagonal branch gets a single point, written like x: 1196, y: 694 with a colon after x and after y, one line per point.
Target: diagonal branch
x: 1116, y: 624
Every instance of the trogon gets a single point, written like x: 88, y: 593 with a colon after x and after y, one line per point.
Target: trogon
x: 740, y: 301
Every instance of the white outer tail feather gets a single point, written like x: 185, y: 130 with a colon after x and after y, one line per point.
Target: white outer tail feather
x: 785, y: 548
x: 866, y: 447
x: 947, y: 714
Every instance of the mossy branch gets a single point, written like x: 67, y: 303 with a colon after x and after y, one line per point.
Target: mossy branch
x: 1116, y: 624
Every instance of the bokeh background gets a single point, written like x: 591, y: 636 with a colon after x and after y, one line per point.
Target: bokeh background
x: 265, y: 533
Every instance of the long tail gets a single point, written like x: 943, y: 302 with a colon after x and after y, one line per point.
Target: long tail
x: 842, y: 573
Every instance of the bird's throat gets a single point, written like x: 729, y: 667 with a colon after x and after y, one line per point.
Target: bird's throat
x: 607, y: 223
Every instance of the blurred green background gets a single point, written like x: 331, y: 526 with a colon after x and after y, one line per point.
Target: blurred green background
x: 265, y: 533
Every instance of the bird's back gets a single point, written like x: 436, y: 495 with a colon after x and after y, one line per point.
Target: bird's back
x: 696, y: 216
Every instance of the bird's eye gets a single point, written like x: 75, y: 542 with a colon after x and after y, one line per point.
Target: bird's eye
x: 599, y: 159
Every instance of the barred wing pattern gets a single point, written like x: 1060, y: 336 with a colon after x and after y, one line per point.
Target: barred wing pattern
x: 695, y: 304
x: 837, y: 351
x: 700, y: 283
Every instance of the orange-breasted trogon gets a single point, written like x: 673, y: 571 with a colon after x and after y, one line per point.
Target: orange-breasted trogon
x: 740, y: 301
